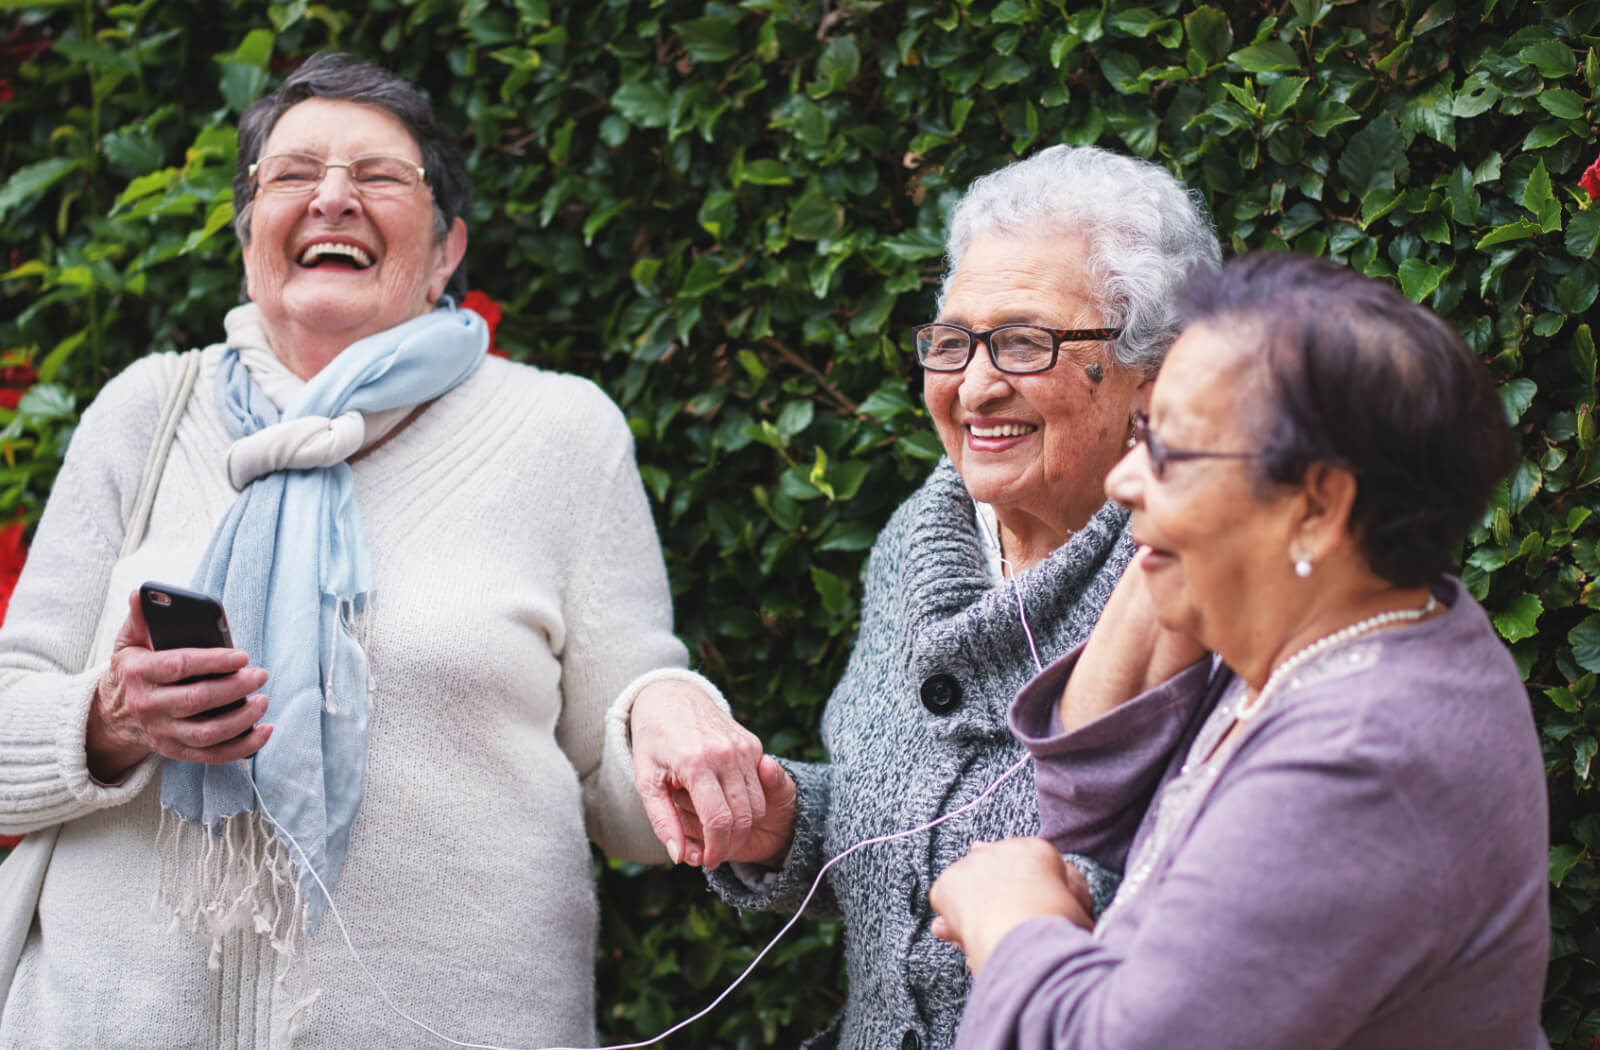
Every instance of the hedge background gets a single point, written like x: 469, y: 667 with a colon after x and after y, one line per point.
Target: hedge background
x: 728, y: 215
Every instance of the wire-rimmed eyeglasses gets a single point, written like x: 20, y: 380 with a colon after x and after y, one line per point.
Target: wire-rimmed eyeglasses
x: 1014, y: 348
x: 374, y: 176
x: 1161, y: 454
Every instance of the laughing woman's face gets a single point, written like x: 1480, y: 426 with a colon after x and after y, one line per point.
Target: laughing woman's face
x: 332, y: 266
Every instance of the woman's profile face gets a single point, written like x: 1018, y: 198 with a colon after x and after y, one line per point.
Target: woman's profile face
x: 1037, y: 444
x: 332, y: 262
x: 1215, y: 544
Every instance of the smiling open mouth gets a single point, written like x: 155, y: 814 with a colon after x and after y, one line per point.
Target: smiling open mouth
x: 1005, y: 431
x: 336, y: 255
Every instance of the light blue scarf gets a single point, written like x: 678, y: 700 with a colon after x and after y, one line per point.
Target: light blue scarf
x: 291, y: 565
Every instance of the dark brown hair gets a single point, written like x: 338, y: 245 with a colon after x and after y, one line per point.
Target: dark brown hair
x: 1359, y: 376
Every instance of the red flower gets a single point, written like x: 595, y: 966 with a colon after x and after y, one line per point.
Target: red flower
x: 1590, y: 181
x: 6, y: 92
x: 12, y: 554
x: 14, y: 382
x: 491, y: 313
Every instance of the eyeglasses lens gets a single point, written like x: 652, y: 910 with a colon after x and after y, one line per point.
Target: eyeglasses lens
x: 1023, y: 348
x: 373, y: 176
x: 943, y: 346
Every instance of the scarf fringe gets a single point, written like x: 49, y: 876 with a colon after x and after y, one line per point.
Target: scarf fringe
x: 238, y: 877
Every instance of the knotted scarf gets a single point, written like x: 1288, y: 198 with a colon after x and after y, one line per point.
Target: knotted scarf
x: 291, y: 564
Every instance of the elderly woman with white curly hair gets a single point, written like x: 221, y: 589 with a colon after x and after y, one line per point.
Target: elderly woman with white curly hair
x: 1056, y: 311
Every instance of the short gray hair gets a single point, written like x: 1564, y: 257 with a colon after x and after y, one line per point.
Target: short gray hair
x: 1147, y: 234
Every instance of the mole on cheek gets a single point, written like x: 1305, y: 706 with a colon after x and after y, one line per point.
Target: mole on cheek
x: 1094, y: 372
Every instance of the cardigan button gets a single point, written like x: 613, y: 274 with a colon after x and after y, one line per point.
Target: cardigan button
x: 941, y: 694
x: 912, y: 1041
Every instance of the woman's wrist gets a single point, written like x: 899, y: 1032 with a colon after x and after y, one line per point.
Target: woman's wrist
x: 109, y: 755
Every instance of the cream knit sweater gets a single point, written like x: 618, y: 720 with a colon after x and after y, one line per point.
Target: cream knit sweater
x: 520, y: 588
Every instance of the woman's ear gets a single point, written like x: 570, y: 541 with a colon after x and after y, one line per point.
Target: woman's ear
x: 1142, y: 394
x: 451, y: 251
x: 1328, y: 495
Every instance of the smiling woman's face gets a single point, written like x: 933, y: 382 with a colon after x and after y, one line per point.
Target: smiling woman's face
x: 330, y: 267
x: 1034, y: 446
x: 1216, y: 544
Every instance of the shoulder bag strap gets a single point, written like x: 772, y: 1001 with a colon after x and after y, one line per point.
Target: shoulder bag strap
x: 22, y: 874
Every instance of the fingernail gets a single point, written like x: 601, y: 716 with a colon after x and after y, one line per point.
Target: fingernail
x: 672, y: 850
x: 693, y: 856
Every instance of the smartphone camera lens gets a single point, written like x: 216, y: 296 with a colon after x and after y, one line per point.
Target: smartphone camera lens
x: 160, y: 599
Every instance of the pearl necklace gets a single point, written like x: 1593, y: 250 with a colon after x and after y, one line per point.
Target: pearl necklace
x: 1248, y: 708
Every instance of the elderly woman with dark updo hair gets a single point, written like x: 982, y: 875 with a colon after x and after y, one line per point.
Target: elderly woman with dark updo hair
x: 1348, y: 847
x: 440, y: 572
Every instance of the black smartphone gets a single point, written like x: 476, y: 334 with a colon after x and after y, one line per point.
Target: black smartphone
x: 183, y: 619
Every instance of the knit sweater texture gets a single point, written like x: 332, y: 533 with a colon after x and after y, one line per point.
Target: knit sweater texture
x: 519, y: 588
x: 917, y: 728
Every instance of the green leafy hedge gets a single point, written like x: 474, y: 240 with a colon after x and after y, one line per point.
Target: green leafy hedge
x: 728, y: 214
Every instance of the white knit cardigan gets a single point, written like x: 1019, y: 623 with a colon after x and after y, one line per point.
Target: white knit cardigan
x: 520, y: 589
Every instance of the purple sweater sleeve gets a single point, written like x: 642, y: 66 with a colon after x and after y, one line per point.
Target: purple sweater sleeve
x: 1096, y: 781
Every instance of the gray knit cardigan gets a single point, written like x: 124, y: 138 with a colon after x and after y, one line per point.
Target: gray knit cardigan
x: 917, y: 727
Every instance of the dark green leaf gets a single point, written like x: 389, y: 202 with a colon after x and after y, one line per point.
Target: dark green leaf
x: 1583, y: 233
x: 1268, y: 57
x: 1551, y: 58
x: 1419, y: 278
x: 1563, y: 858
x: 838, y: 66
x: 1526, y: 481
x: 1585, y: 642
x: 1208, y: 33
x: 33, y: 179
x: 1560, y: 102
x: 1520, y: 619
x: 709, y: 39
x: 1432, y: 112
x: 1576, y: 291
x: 1517, y: 396
x: 1374, y: 158
x: 642, y: 103
x: 1538, y: 198
x: 1464, y: 201
x: 1511, y: 231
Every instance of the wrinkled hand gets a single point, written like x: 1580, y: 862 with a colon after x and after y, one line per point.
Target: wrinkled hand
x: 770, y: 837
x: 1129, y: 652
x: 142, y: 705
x: 700, y: 775
x: 997, y: 887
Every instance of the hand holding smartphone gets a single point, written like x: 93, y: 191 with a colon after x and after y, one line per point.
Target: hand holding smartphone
x: 178, y: 618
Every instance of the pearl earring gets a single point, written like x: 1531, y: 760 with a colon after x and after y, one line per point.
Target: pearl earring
x: 1302, y: 566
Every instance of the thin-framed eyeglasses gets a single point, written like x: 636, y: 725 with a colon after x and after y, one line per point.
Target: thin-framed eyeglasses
x: 1017, y: 349
x: 1161, y: 454
x: 375, y: 176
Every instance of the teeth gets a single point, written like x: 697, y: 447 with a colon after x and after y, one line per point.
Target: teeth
x: 349, y: 251
x: 1005, y: 431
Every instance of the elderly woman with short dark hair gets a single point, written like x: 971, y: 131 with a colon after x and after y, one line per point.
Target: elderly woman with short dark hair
x: 1348, y: 847
x: 1055, y: 314
x: 440, y: 572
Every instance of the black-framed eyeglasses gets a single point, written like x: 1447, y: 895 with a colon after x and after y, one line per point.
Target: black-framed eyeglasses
x: 1161, y: 454
x: 375, y: 176
x: 1014, y: 348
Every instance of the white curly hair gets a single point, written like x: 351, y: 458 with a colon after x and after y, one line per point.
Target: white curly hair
x: 1147, y: 235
